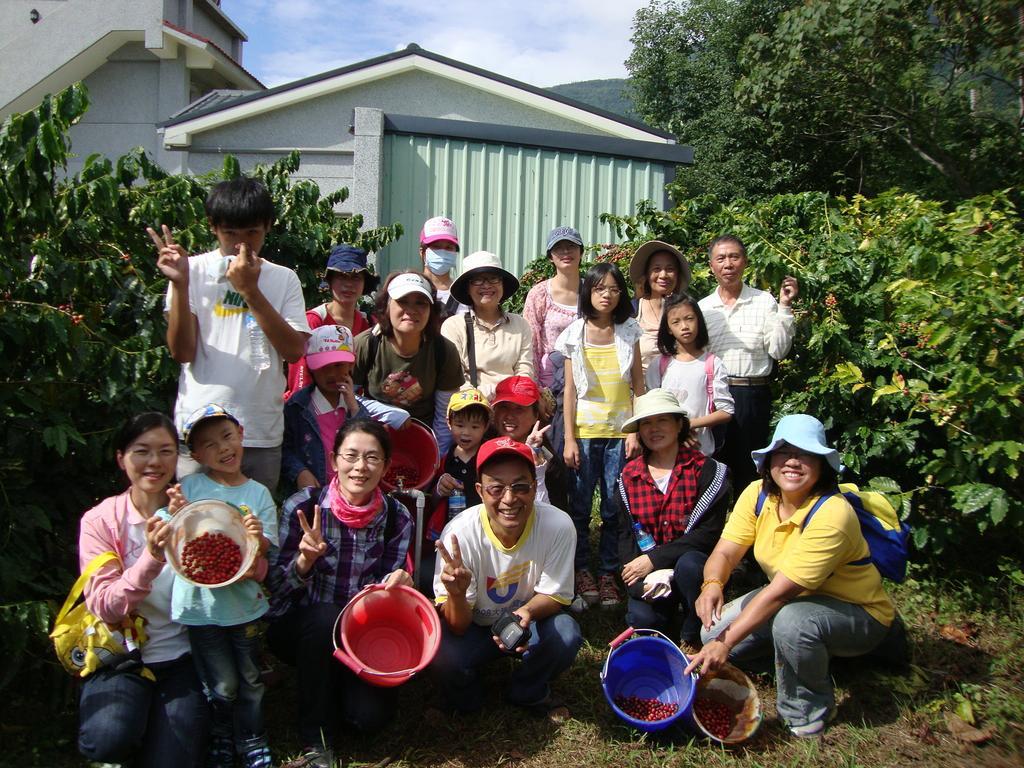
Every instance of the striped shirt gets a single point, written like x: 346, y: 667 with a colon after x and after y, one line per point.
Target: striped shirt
x: 750, y: 334
x: 355, y: 557
x: 604, y: 409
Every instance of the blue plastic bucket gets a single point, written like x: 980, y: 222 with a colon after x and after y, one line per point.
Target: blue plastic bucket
x: 646, y: 664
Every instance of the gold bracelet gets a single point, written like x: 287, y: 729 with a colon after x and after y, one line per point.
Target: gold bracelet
x: 705, y: 583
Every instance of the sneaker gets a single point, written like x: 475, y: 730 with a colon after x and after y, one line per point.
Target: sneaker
x: 220, y: 752
x: 258, y: 757
x: 813, y: 730
x: 609, y: 594
x: 578, y: 605
x: 586, y: 587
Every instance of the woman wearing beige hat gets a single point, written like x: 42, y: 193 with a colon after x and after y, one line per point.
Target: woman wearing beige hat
x: 675, y: 502
x: 492, y: 343
x: 658, y: 270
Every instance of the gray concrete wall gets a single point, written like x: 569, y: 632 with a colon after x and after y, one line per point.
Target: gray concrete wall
x: 14, y: 16
x: 323, y: 123
x: 204, y: 26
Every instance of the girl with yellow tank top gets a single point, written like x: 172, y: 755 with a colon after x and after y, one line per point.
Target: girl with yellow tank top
x: 603, y: 376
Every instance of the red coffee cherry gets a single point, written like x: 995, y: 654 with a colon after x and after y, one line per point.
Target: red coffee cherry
x: 211, y: 558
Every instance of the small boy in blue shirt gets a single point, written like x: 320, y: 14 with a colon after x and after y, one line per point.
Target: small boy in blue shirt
x: 222, y: 622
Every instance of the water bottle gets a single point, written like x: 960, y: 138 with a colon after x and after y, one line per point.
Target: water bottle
x: 456, y: 503
x: 644, y: 540
x: 259, y: 355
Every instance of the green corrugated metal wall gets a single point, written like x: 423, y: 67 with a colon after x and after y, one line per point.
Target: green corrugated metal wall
x: 505, y: 198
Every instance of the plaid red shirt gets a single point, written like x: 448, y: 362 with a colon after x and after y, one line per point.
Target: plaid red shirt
x: 664, y: 516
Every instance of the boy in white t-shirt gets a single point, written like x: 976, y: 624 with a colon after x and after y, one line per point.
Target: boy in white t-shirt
x: 233, y: 318
x: 507, y: 554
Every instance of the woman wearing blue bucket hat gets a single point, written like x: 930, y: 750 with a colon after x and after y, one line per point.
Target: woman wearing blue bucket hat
x: 824, y: 598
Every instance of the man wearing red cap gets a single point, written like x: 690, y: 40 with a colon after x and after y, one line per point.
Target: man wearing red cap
x: 508, y: 555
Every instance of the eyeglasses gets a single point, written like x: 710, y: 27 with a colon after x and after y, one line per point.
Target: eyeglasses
x: 497, y: 491
x: 608, y: 290
x: 351, y: 457
x: 786, y: 454
x: 476, y: 282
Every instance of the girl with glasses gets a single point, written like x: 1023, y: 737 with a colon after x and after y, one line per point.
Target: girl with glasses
x: 601, y: 380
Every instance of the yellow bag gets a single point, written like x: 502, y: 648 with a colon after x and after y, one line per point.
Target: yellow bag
x: 85, y: 644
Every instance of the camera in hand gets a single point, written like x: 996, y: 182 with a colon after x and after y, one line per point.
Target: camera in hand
x: 509, y: 631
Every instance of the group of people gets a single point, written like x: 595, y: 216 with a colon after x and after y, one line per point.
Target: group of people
x: 661, y: 404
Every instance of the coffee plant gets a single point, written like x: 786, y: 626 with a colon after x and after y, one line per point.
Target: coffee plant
x: 82, y: 328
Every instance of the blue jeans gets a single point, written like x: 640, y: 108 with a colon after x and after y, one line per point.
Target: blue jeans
x: 601, y: 462
x: 123, y: 716
x: 687, y: 576
x: 302, y: 637
x: 805, y: 634
x: 553, y: 645
x: 226, y: 661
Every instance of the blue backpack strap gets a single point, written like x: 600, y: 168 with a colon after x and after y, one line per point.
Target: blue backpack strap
x: 762, y: 497
x: 817, y: 505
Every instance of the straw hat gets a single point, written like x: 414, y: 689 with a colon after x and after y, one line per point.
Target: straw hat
x: 638, y: 264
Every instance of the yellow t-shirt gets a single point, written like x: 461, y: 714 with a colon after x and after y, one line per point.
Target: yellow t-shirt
x: 607, y: 405
x: 817, y: 558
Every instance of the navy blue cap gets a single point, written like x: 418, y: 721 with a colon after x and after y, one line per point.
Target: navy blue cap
x: 350, y: 258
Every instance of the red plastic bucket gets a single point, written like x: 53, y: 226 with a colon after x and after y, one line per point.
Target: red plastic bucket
x: 387, y: 635
x: 414, y: 457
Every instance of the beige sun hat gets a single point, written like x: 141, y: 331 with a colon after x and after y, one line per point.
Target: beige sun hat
x: 638, y: 264
x: 655, y: 403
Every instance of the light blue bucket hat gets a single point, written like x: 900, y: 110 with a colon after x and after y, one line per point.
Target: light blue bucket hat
x: 800, y: 431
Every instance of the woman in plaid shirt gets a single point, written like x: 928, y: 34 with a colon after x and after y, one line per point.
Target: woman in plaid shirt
x: 680, y: 497
x: 335, y: 541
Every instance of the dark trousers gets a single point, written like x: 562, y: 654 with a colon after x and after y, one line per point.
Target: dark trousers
x: 302, y: 637
x: 163, y: 724
x: 747, y: 431
x: 687, y: 576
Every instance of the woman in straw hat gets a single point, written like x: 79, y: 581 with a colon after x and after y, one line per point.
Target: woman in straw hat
x: 658, y: 270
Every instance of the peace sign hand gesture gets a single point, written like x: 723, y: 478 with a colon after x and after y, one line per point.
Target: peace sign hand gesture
x: 172, y: 260
x: 455, y: 576
x: 312, y: 544
x: 535, y: 440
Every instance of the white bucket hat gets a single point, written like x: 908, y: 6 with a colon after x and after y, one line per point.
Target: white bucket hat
x: 474, y: 264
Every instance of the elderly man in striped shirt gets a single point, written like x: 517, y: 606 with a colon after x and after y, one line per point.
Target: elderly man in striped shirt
x: 749, y: 331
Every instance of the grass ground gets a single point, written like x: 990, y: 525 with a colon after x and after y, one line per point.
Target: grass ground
x: 968, y: 658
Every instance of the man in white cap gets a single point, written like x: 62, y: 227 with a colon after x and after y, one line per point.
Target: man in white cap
x: 439, y: 251
x: 749, y: 331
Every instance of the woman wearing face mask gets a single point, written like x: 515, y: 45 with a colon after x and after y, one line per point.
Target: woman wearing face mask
x: 439, y: 250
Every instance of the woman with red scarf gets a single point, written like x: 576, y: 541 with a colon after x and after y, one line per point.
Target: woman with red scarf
x: 674, y: 504
x: 335, y: 541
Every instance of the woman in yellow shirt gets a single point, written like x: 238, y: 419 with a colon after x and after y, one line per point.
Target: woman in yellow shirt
x: 824, y: 597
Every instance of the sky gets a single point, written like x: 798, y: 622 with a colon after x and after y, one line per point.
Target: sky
x: 541, y: 42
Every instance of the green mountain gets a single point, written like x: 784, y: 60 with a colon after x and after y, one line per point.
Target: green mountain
x: 605, y: 94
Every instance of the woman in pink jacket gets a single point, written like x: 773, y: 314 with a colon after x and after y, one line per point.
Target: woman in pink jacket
x: 125, y: 716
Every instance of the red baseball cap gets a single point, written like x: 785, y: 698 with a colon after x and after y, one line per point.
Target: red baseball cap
x: 521, y: 390
x: 505, y: 446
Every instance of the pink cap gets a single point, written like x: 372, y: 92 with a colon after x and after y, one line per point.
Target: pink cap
x: 329, y: 344
x: 439, y: 228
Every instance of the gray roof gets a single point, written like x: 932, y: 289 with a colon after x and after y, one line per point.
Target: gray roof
x: 210, y: 102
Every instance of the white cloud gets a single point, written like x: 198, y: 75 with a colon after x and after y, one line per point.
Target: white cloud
x: 541, y: 43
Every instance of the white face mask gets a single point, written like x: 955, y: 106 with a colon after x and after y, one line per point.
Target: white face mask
x: 440, y: 262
